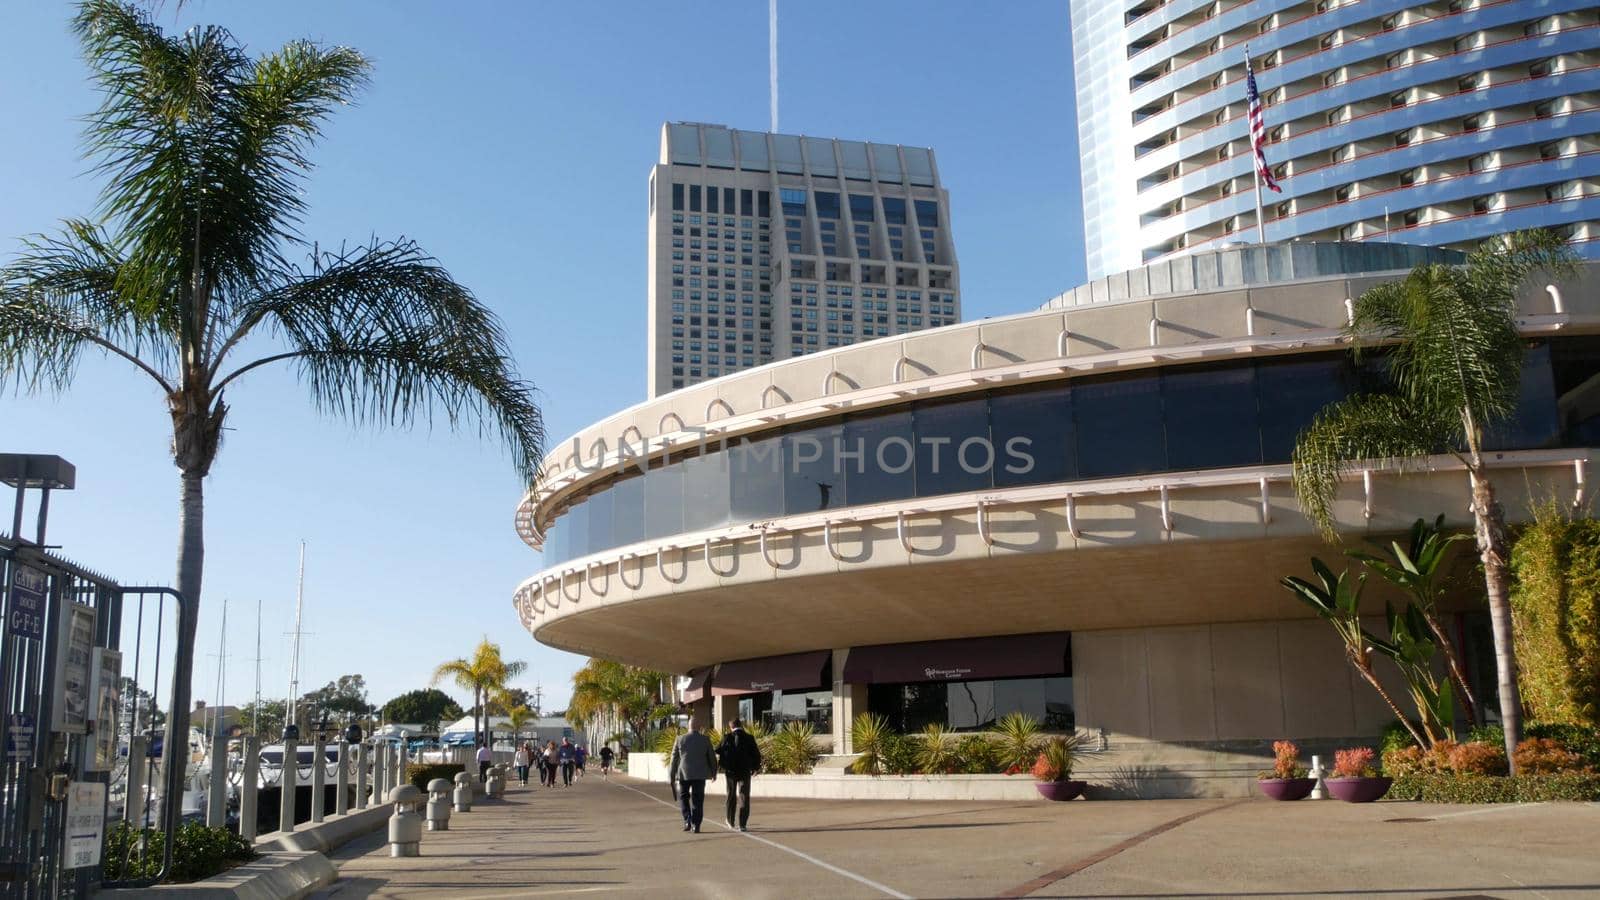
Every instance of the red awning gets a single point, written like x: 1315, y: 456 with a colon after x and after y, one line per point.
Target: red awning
x: 1006, y: 656
x: 697, y: 684
x: 794, y: 672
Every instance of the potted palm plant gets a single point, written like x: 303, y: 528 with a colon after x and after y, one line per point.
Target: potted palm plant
x: 1287, y: 780
x: 1355, y: 777
x: 1052, y: 770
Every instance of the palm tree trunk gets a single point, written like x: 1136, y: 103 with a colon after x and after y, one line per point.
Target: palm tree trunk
x: 1364, y: 666
x: 477, y: 709
x: 191, y: 566
x: 1491, y: 533
x: 1469, y: 703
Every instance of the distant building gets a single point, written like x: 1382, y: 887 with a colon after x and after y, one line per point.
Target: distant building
x: 1438, y: 123
x: 767, y: 246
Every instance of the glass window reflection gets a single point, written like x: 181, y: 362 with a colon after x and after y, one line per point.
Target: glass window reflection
x: 1210, y: 414
x: 1119, y: 425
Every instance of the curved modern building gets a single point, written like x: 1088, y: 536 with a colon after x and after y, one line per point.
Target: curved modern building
x: 1079, y: 512
x: 1437, y: 123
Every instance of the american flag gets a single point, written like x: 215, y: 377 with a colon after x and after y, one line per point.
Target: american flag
x: 1258, y: 131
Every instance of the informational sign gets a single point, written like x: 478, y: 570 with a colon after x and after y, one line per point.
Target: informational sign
x: 74, y: 658
x: 86, y: 823
x: 25, y: 614
x: 104, y: 687
x: 19, y: 738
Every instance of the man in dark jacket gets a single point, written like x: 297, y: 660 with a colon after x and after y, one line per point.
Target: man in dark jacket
x: 740, y: 757
x: 693, y: 762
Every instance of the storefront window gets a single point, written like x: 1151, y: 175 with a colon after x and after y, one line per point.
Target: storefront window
x: 973, y: 705
x: 776, y: 709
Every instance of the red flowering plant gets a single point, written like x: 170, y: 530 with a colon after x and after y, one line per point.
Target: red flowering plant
x: 1056, y: 758
x: 1285, y: 761
x: 1355, y: 762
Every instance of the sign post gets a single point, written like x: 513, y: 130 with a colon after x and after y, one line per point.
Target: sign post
x: 86, y: 823
x: 25, y: 617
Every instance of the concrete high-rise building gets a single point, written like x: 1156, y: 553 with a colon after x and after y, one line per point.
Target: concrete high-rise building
x: 766, y: 246
x: 1438, y: 123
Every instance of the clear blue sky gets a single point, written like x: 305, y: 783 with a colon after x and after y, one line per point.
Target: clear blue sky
x: 514, y: 142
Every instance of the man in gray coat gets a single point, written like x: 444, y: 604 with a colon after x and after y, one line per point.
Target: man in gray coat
x: 693, y: 762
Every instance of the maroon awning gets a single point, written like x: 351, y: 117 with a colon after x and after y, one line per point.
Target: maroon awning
x: 794, y: 672
x: 697, y: 684
x: 1007, y: 656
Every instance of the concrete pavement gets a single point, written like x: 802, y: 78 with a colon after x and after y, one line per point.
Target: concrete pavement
x: 622, y: 837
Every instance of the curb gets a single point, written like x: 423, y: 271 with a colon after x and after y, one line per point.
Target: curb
x: 273, y: 876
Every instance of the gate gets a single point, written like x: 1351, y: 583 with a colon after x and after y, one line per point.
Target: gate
x: 83, y: 660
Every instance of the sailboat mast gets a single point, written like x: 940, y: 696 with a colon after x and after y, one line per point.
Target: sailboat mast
x: 292, y: 705
x: 222, y: 668
x: 255, y: 711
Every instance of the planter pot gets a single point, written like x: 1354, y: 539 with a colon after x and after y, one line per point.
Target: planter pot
x: 1358, y: 790
x: 1287, y: 788
x: 1060, y: 790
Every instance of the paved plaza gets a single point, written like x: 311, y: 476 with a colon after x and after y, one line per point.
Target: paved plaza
x: 622, y: 837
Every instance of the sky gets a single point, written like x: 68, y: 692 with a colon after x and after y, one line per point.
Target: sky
x: 513, y: 141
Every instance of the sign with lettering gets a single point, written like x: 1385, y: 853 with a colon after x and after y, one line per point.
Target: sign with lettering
x: 74, y: 660
x: 86, y: 823
x: 954, y: 673
x: 19, y: 738
x: 25, y: 617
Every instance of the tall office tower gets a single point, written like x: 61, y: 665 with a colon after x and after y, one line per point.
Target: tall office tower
x: 766, y: 246
x: 1438, y: 123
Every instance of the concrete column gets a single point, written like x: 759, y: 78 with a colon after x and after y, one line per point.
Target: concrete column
x: 249, y: 788
x: 286, y: 786
x: 341, y: 803
x: 319, y: 778
x: 378, y: 787
x: 361, y: 777
x: 217, y: 790
x: 848, y: 701
x: 700, y: 711
x: 724, y: 710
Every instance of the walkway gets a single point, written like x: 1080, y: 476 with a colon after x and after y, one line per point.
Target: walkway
x: 623, y: 838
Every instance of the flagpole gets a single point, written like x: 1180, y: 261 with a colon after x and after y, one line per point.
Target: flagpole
x: 1255, y: 163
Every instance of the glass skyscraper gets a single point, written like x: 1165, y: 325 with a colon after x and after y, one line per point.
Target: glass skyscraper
x: 1437, y: 123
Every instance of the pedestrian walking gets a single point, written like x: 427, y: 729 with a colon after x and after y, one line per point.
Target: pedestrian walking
x: 567, y: 756
x: 605, y: 759
x: 485, y: 758
x: 521, y: 761
x: 580, y: 755
x: 551, y: 764
x: 693, y: 761
x: 740, y: 758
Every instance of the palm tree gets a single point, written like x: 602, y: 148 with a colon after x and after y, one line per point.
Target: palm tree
x: 485, y: 674
x: 613, y: 692
x: 1456, y: 361
x: 519, y: 716
x: 204, y: 149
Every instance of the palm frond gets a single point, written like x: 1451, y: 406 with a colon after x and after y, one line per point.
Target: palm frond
x: 1364, y: 428
x: 60, y: 295
x: 383, y: 334
x: 1498, y: 268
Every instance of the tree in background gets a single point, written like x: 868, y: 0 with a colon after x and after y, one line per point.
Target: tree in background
x: 429, y: 707
x: 186, y: 266
x: 265, y: 719
x: 520, y: 716
x: 1455, y: 357
x: 607, y: 692
x: 341, y: 700
x: 485, y: 674
x: 140, y: 712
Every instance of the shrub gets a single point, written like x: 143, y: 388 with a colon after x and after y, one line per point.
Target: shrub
x: 899, y: 755
x: 790, y: 751
x: 1476, y: 758
x: 867, y: 735
x: 1395, y: 737
x: 1285, y: 761
x: 419, y: 774
x: 978, y: 755
x: 936, y: 751
x: 1545, y: 756
x: 1355, y: 762
x: 1056, y: 758
x: 1580, y: 739
x: 1555, y: 608
x: 197, y: 852
x: 1582, y: 787
x: 1017, y: 738
x: 662, y: 741
x: 1407, y: 761
x: 1491, y: 733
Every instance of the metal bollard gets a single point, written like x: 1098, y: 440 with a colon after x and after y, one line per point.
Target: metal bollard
x: 341, y: 803
x: 286, y: 786
x: 463, y: 792
x: 250, y: 788
x: 319, y: 779
x: 495, y: 788
x: 405, y: 826
x: 1317, y: 772
x: 438, y: 805
x: 361, y: 777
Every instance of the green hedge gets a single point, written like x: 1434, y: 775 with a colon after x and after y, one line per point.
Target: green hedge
x: 197, y: 852
x: 1555, y: 607
x: 1581, y: 787
x: 419, y: 774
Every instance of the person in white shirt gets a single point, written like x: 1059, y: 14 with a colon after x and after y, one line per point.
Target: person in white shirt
x: 522, y: 763
x: 485, y: 757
